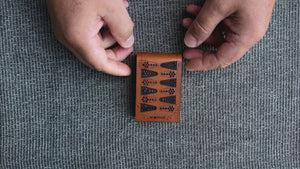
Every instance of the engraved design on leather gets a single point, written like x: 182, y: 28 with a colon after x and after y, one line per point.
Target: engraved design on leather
x: 148, y: 73
x: 169, y: 99
x: 147, y: 64
x: 148, y: 99
x: 167, y: 108
x: 147, y: 90
x: 158, y: 87
x: 170, y: 74
x: 149, y: 82
x: 146, y: 108
x: 170, y: 65
x: 169, y: 82
x: 170, y: 91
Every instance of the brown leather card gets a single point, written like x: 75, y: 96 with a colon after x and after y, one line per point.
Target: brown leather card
x: 158, y: 87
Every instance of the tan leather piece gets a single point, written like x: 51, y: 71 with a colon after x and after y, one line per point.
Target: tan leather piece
x: 158, y: 87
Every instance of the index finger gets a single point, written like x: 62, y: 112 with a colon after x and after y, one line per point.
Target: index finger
x: 228, y: 53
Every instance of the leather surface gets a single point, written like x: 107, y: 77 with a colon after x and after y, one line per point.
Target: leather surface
x: 158, y: 87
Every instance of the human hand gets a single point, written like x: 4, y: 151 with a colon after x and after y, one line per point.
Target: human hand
x: 245, y: 23
x: 77, y: 24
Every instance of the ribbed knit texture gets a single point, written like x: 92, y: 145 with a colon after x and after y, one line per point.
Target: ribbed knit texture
x: 57, y: 113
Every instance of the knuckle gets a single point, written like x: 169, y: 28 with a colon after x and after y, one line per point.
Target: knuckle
x: 223, y: 66
x: 58, y: 34
x: 72, y: 36
x: 69, y: 37
x: 98, y: 68
x: 113, y: 8
x: 201, y: 27
x: 59, y: 37
x: 205, y: 68
x: 260, y: 34
x: 222, y: 63
x: 253, y: 38
x: 219, y: 8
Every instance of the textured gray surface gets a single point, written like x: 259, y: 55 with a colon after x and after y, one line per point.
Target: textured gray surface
x: 56, y: 113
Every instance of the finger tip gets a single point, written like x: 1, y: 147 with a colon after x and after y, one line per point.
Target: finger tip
x: 131, y: 49
x: 192, y: 54
x: 184, y: 54
x: 188, y: 68
x: 128, y: 51
x: 126, y: 3
x: 189, y: 6
x: 123, y: 69
x: 186, y: 22
x: 192, y: 66
x: 120, y: 71
x: 190, y: 41
x: 126, y: 72
x: 128, y: 43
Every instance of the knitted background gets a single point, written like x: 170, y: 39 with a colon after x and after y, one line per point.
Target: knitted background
x: 57, y: 113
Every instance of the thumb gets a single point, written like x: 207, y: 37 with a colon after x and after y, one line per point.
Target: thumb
x: 120, y: 24
x: 204, y: 24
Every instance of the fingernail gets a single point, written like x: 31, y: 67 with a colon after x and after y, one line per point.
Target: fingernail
x: 129, y: 42
x: 190, y: 41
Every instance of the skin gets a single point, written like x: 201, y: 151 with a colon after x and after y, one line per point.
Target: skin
x: 245, y: 23
x: 77, y: 24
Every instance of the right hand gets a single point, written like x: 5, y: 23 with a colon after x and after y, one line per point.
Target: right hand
x: 245, y: 22
x: 76, y: 24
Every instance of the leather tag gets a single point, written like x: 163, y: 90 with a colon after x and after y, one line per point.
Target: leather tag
x: 158, y: 87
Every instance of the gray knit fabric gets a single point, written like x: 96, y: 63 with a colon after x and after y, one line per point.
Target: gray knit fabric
x: 57, y: 113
